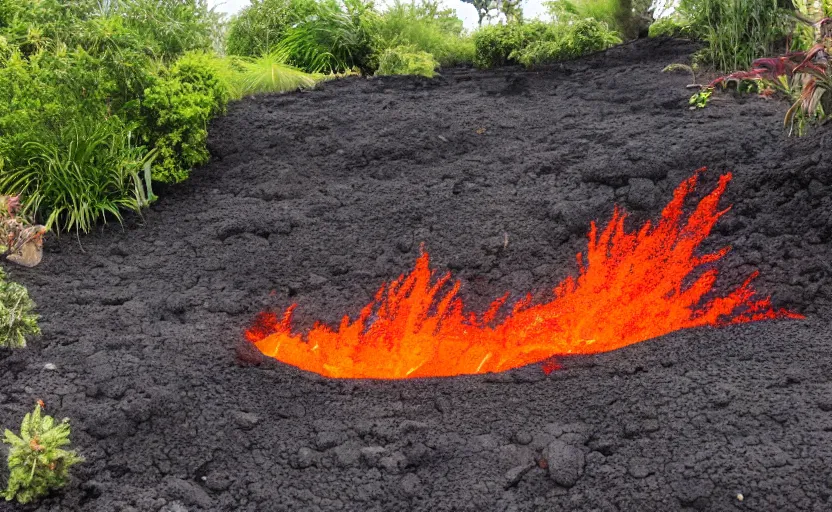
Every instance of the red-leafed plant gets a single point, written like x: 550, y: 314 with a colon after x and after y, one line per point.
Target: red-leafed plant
x: 803, y: 77
x: 21, y: 240
x: 815, y: 100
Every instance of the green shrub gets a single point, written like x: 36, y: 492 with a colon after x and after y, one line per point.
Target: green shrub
x: 176, y: 111
x: 171, y: 27
x: 405, y: 60
x: 428, y: 28
x: 74, y: 133
x: 38, y: 463
x: 736, y: 31
x: 258, y: 28
x: 495, y: 44
x: 574, y: 40
x: 669, y: 26
x: 17, y: 319
x: 538, y: 43
x: 626, y: 17
x: 587, y: 36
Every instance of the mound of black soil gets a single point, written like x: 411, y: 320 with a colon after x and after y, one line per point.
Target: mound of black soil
x: 319, y: 197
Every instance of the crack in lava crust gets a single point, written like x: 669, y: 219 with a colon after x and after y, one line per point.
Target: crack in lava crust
x: 631, y: 286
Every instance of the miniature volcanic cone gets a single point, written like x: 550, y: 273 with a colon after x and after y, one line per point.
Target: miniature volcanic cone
x: 631, y: 287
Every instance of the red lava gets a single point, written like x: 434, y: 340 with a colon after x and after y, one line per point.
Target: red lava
x: 630, y: 287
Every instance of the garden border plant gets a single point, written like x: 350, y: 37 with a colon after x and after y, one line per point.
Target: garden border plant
x: 38, y: 463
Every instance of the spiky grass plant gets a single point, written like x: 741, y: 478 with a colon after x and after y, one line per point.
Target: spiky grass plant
x: 38, y: 463
x: 17, y: 319
x: 270, y: 73
x: 84, y: 173
x: 335, y: 39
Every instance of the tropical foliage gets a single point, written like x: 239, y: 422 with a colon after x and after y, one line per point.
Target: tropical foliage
x: 99, y: 99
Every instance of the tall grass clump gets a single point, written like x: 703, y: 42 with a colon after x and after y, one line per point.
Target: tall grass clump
x: 736, y: 31
x: 270, y: 73
x: 317, y: 36
x: 88, y: 170
x: 333, y: 40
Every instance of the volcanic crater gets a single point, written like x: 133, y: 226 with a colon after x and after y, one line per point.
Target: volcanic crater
x: 319, y: 197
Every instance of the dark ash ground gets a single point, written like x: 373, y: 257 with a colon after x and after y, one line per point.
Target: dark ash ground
x: 319, y: 197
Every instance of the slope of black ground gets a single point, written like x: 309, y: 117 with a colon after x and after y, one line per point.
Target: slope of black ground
x: 319, y: 197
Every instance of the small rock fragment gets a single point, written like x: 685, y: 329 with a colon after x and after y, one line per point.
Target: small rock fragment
x: 306, y: 457
x: 245, y: 420
x: 371, y: 455
x: 328, y: 439
x: 515, y: 474
x: 566, y: 462
x: 188, y: 493
x: 639, y: 468
x: 411, y: 484
x: 347, y: 455
x: 523, y: 437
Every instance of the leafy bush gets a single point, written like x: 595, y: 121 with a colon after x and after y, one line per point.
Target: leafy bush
x: 17, y: 320
x: 38, y: 463
x: 669, y: 26
x: 73, y: 134
x: 405, y: 60
x: 176, y: 110
x: 626, y: 17
x: 736, y: 31
x: 428, y: 28
x: 172, y: 28
x: 258, y: 28
x: 538, y: 43
x: 581, y: 38
x: 495, y: 44
x: 815, y: 100
x: 803, y: 77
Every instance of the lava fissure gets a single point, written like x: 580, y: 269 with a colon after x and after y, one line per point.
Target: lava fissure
x: 630, y: 287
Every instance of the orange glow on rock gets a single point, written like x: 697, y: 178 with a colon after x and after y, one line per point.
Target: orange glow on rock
x: 631, y: 287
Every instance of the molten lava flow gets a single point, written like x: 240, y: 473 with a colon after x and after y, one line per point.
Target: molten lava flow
x: 630, y: 287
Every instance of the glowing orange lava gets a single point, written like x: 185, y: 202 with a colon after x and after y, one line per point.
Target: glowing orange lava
x: 630, y: 287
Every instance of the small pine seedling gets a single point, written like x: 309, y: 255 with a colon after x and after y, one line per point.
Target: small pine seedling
x: 37, y: 463
x: 16, y: 317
